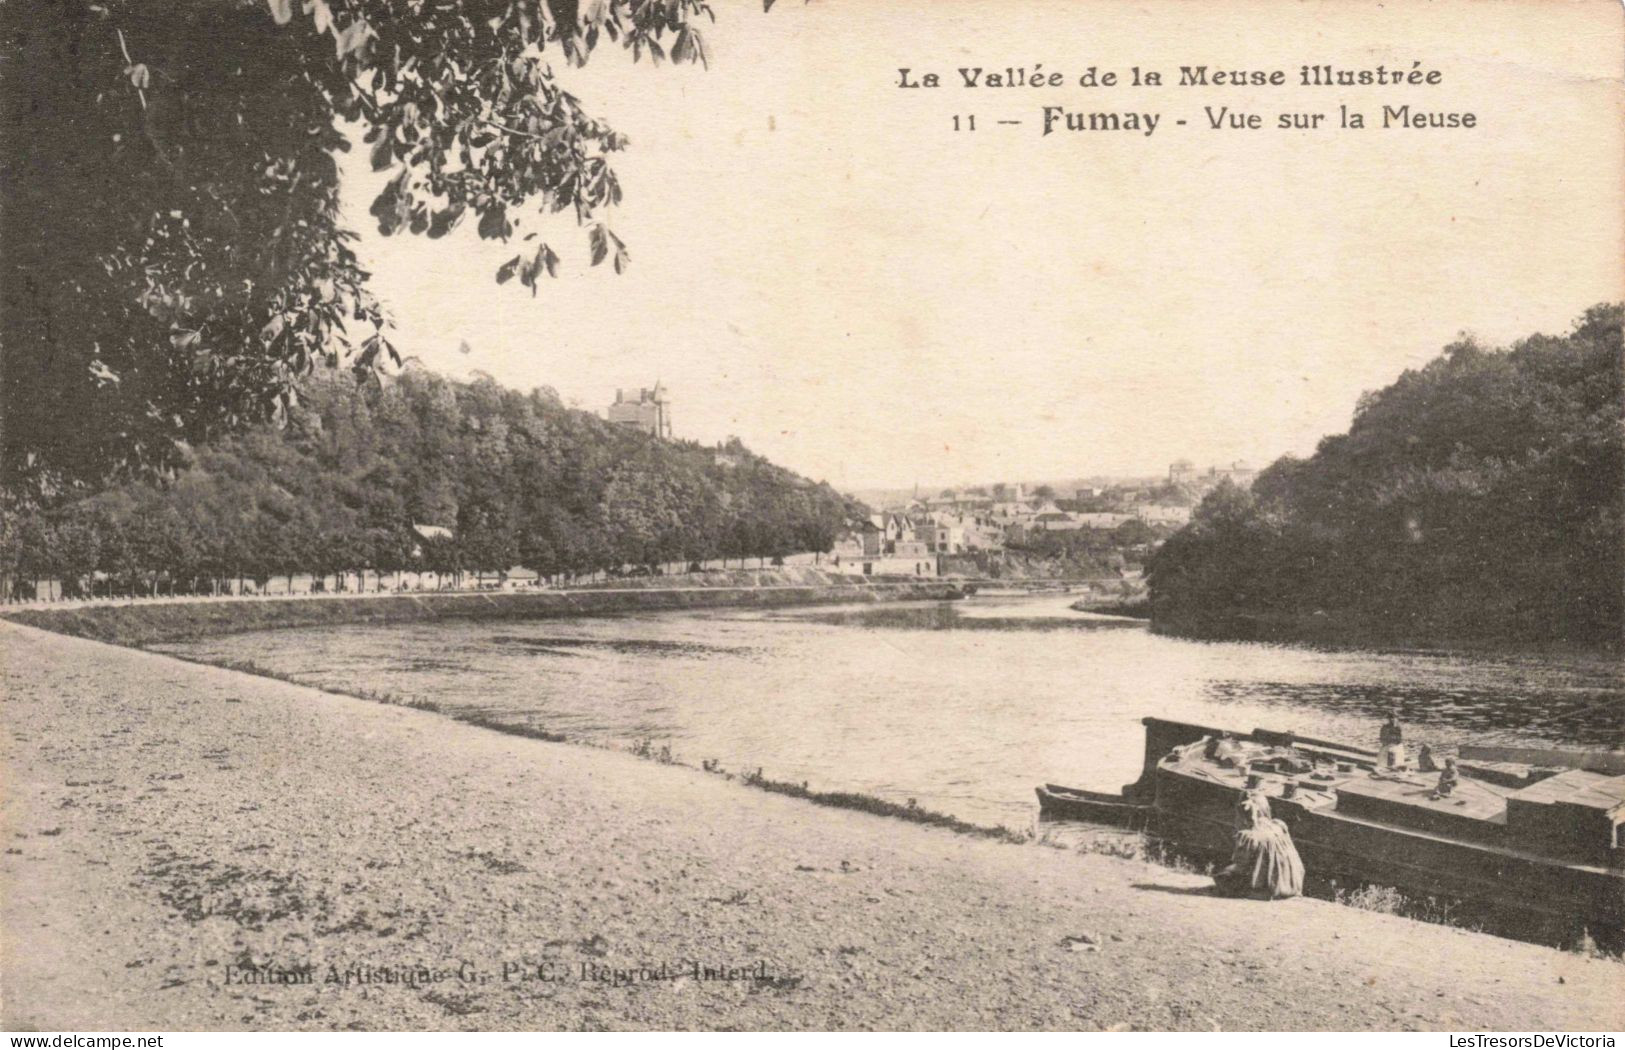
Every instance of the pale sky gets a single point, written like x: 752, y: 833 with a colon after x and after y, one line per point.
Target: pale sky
x: 823, y: 267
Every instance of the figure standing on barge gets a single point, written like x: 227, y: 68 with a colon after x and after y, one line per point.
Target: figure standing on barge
x: 1392, y: 739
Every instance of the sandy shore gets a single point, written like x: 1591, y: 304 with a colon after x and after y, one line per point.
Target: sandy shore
x: 169, y: 828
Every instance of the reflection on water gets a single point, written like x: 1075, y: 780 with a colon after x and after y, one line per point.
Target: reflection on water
x: 637, y: 646
x: 1579, y: 716
x: 956, y: 616
x: 962, y: 706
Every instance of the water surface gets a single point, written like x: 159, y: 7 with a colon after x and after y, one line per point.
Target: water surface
x: 962, y: 706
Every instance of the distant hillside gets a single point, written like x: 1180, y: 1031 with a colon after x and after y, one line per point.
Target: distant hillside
x: 501, y: 478
x: 1476, y: 499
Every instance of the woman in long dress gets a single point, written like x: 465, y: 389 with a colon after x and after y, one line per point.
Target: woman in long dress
x: 1264, y: 862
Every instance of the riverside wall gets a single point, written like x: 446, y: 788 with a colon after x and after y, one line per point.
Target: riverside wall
x: 147, y: 623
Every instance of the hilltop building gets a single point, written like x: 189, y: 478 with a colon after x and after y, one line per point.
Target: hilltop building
x: 650, y: 413
x: 1238, y: 472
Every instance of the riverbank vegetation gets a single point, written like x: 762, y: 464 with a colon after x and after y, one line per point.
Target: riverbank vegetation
x: 1137, y: 607
x: 419, y: 473
x: 1076, y: 554
x: 1476, y: 499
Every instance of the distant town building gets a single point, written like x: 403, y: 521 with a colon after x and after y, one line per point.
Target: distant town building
x: 883, y: 565
x: 911, y: 550
x: 895, y: 528
x: 882, y: 546
x: 960, y: 533
x: 941, y: 537
x: 1162, y: 514
x: 1050, y: 518
x: 650, y: 413
x: 1238, y: 472
x: 1009, y: 510
x: 424, y: 534
x: 1102, y: 520
x: 518, y: 578
x: 1182, y: 472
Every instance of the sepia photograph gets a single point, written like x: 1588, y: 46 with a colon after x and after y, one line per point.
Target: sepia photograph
x: 961, y: 516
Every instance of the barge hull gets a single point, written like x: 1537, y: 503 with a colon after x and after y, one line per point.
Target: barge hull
x: 1190, y: 805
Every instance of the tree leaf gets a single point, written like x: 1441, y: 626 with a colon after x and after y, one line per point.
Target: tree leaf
x: 505, y: 272
x: 352, y: 37
x: 383, y: 154
x: 494, y: 225
x: 445, y: 220
x: 623, y: 258
x: 281, y: 10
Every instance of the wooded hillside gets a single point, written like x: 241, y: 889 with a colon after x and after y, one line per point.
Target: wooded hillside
x: 1479, y: 497
x: 517, y: 479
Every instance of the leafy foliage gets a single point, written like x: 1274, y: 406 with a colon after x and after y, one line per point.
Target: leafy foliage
x: 1088, y: 552
x: 175, y: 258
x: 518, y: 479
x: 1482, y: 496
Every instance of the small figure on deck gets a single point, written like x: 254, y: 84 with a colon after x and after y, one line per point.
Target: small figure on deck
x: 1448, y: 779
x: 1223, y: 749
x: 1424, y: 760
x: 1264, y: 863
x: 1392, y: 739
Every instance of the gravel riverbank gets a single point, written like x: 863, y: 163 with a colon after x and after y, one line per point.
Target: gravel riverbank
x: 183, y: 844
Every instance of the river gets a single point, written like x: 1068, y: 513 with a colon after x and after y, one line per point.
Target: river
x: 961, y: 706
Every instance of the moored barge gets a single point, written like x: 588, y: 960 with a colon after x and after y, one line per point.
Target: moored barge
x: 1534, y: 832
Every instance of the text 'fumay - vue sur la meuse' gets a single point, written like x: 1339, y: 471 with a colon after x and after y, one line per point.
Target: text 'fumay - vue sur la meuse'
x: 1381, y: 112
